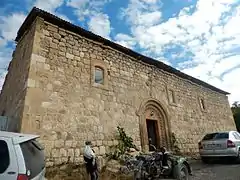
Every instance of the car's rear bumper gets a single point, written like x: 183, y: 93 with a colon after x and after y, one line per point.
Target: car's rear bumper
x: 229, y: 152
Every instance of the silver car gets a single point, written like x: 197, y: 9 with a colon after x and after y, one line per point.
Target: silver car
x: 219, y: 144
x: 21, y: 157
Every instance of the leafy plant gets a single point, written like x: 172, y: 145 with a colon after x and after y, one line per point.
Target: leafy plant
x: 176, y: 149
x: 125, y: 142
x: 236, y: 114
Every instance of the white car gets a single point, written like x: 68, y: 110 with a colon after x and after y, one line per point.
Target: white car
x: 21, y: 157
x: 220, y: 144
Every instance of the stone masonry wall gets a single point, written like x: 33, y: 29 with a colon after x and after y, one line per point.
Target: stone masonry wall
x: 14, y: 89
x: 66, y: 108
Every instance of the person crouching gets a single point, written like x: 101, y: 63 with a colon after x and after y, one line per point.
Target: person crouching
x: 90, y: 161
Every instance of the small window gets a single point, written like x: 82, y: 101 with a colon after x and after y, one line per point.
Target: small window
x: 171, y: 96
x: 4, y: 156
x: 202, y: 104
x: 33, y: 156
x: 99, y: 75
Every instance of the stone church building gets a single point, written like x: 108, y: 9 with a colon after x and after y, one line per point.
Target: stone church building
x: 70, y: 85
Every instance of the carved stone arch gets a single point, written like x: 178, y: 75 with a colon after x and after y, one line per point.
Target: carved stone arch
x: 154, y: 110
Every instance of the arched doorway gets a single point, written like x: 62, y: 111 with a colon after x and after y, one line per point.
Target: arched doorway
x: 154, y: 125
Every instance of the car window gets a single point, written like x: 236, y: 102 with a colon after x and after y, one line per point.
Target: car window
x: 209, y: 136
x: 4, y: 156
x: 222, y: 136
x: 236, y: 135
x: 33, y: 156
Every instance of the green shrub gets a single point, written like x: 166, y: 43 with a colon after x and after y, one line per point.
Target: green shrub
x: 125, y: 142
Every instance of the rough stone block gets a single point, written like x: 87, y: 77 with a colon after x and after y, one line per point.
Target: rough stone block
x: 77, y: 58
x: 49, y: 87
x: 56, y: 35
x: 105, y: 143
x: 81, y: 54
x: 69, y: 56
x: 74, y: 144
x: 31, y: 83
x: 53, y: 136
x: 49, y: 163
x: 62, y: 32
x: 110, y: 143
x: 53, y: 45
x: 96, y: 150
x: 46, y: 66
x: 115, y: 142
x: 100, y: 129
x: 57, y: 83
x: 64, y: 160
x: 62, y: 44
x: 52, y: 28
x: 47, y: 126
x: 102, y: 150
x: 78, y: 160
x: 59, y: 143
x: 61, y: 70
x: 46, y: 104
x: 62, y: 48
x: 68, y: 143
x: 46, y: 32
x: 77, y: 152
x: 99, y: 143
x: 55, y: 153
x: 76, y: 53
x: 63, y: 152
x: 71, y: 152
x: 55, y: 41
x: 62, y: 54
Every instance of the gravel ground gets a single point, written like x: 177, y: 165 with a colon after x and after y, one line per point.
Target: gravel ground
x: 220, y: 171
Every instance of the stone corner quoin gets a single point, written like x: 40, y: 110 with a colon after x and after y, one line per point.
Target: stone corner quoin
x: 50, y: 90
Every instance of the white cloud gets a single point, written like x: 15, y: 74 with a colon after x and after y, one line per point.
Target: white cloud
x: 148, y: 19
x: 231, y: 84
x: 142, y: 12
x: 9, y: 25
x: 2, y: 42
x: 150, y: 1
x: 100, y: 24
x: 84, y: 8
x: 5, y: 57
x: 125, y: 40
x: 2, y: 79
x: 63, y: 17
x: 48, y: 5
x: 209, y: 33
x: 76, y: 3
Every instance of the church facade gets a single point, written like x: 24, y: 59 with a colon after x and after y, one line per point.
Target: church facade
x: 70, y: 85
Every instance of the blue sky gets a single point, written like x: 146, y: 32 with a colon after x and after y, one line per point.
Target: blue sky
x: 198, y: 37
